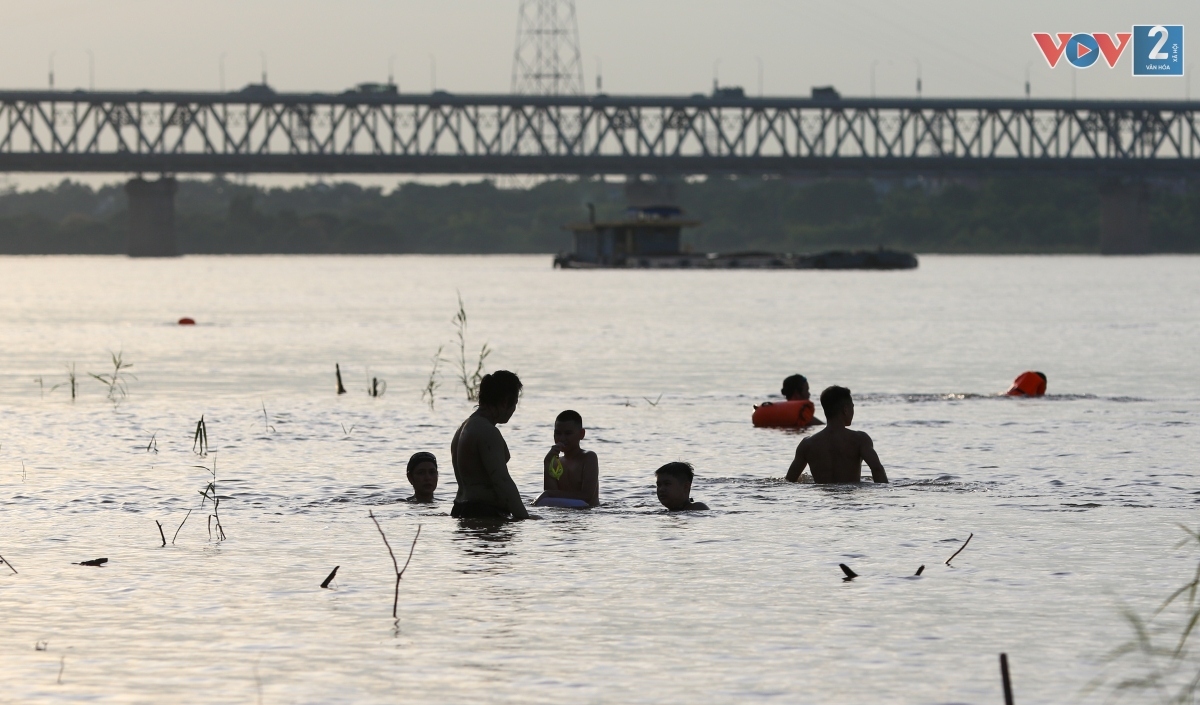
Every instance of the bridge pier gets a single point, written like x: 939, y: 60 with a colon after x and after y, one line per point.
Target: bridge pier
x: 1124, y: 218
x: 152, y: 217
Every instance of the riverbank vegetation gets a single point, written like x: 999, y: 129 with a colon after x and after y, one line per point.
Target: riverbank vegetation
x: 218, y: 216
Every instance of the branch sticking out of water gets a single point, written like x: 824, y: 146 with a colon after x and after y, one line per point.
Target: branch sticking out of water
x: 850, y: 575
x: 10, y: 565
x: 338, y: 371
x: 94, y: 563
x: 160, y: 532
x: 153, y: 444
x: 1005, y: 680
x: 920, y: 570
x: 329, y: 579
x: 655, y: 402
x: 960, y: 550
x: 395, y: 563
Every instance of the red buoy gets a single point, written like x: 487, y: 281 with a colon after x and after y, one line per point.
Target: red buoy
x: 1028, y: 384
x: 185, y: 321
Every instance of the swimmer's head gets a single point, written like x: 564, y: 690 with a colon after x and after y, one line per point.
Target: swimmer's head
x: 673, y: 484
x: 837, y: 405
x: 499, y: 392
x: 568, y: 429
x: 423, y: 474
x: 795, y: 388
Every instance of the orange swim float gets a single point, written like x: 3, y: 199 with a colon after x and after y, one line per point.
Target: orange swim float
x: 1028, y: 384
x: 783, y: 414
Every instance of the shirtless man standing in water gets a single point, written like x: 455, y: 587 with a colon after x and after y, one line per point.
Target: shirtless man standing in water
x: 480, y: 456
x: 836, y: 453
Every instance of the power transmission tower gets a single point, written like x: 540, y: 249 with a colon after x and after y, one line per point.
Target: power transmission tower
x: 546, y: 61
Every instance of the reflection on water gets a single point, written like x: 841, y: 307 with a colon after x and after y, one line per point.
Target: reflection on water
x: 1069, y: 497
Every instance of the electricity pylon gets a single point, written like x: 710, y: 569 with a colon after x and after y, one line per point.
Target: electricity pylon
x: 546, y: 60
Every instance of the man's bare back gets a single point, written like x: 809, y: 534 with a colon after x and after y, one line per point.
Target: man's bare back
x: 836, y: 453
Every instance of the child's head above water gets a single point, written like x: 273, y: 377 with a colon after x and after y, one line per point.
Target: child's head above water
x: 673, y: 483
x: 568, y: 430
x: 423, y: 475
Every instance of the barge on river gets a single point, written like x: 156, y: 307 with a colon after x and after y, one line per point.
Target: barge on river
x: 649, y: 238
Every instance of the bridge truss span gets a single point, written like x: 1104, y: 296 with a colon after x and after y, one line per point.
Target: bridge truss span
x: 267, y: 132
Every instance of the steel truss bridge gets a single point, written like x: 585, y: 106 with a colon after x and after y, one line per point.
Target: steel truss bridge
x: 261, y: 131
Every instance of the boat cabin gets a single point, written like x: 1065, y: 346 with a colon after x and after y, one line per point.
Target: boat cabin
x: 652, y: 231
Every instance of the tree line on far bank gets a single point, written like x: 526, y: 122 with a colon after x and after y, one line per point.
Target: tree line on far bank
x: 217, y: 216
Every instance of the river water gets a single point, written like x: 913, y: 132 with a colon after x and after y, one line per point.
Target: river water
x: 1074, y: 500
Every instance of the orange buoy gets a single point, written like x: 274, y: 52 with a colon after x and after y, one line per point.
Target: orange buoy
x: 185, y: 321
x: 783, y: 414
x: 1028, y: 384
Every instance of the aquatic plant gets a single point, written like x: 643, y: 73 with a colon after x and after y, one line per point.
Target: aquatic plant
x: 267, y: 427
x: 209, y: 494
x: 71, y: 381
x: 115, y: 380
x: 1170, y: 672
x: 470, y: 381
x: 432, y: 384
x: 200, y: 438
x: 395, y: 563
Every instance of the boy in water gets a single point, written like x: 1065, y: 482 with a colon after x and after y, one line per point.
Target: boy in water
x: 423, y: 476
x: 571, y: 472
x: 835, y: 453
x: 673, y: 483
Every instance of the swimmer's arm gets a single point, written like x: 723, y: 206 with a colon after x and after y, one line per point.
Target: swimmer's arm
x: 454, y: 448
x: 494, y: 454
x: 867, y: 449
x: 591, y: 479
x: 799, y: 463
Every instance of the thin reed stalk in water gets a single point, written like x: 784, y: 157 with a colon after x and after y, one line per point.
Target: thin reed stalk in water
x: 185, y: 518
x: 960, y: 550
x: 470, y: 381
x: 209, y: 493
x: 432, y: 384
x: 395, y: 563
x: 71, y: 381
x: 160, y: 532
x: 10, y: 565
x: 200, y: 438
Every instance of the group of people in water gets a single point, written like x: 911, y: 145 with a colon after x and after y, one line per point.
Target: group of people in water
x: 486, y: 490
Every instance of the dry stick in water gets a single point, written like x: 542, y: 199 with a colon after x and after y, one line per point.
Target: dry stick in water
x: 338, y: 370
x: 185, y: 516
x: 62, y: 665
x: 330, y: 578
x: 960, y: 550
x: 395, y: 563
x: 10, y: 565
x: 160, y: 532
x: 850, y: 575
x: 1008, y: 696
x: 920, y: 570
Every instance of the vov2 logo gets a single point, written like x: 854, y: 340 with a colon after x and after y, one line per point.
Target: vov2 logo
x: 1157, y: 49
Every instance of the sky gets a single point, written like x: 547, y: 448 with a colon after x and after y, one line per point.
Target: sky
x: 957, y: 47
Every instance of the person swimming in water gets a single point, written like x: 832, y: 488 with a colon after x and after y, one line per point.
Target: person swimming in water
x: 480, y: 456
x: 673, y: 485
x: 835, y: 453
x: 570, y: 471
x: 423, y: 476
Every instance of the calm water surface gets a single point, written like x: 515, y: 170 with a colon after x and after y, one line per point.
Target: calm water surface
x: 1074, y: 500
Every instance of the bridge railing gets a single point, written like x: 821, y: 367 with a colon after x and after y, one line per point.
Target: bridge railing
x: 441, y: 133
